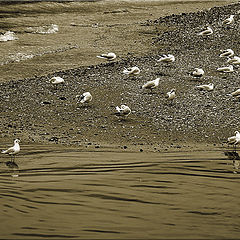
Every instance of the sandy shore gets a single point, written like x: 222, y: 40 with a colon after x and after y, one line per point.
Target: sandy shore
x: 36, y: 111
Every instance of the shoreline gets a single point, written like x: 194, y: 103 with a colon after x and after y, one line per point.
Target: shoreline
x: 87, y: 30
x: 47, y: 115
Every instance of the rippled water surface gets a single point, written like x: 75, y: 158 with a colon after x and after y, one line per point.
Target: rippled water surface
x: 59, y: 193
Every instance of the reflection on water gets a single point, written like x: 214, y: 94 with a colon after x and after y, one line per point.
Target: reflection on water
x: 65, y: 193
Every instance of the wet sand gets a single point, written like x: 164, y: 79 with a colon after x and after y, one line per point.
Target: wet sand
x: 53, y: 192
x: 35, y: 111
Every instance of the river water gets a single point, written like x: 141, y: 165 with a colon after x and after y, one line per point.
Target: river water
x: 53, y: 192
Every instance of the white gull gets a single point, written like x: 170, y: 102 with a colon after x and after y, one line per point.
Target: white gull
x: 123, y: 111
x: 151, y: 84
x: 206, y: 32
x: 109, y: 56
x: 12, y: 151
x: 229, y: 20
x: 235, y: 60
x: 234, y: 140
x: 131, y: 71
x: 225, y: 69
x: 227, y: 53
x: 236, y: 93
x: 166, y: 58
x: 56, y: 80
x: 171, y: 94
x: 208, y: 87
x: 198, y: 72
x: 85, y: 97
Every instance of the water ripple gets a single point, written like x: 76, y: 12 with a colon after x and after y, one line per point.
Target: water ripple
x: 73, y: 194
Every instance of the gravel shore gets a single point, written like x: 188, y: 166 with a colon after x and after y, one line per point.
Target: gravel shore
x: 37, y: 111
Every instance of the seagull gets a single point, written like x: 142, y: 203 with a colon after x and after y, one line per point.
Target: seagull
x: 12, y: 151
x: 131, y: 71
x: 151, y: 84
x: 109, y: 56
x: 229, y: 20
x: 236, y: 93
x: 234, y: 140
x: 234, y: 60
x: 85, y: 97
x: 166, y: 58
x: 123, y: 111
x: 198, y: 72
x: 171, y: 95
x: 227, y: 53
x: 206, y: 32
x: 56, y: 80
x: 225, y: 69
x: 208, y: 87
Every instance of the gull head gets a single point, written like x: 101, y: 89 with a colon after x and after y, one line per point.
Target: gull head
x: 16, y: 141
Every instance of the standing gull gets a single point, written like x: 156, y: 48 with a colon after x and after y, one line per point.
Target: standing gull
x: 12, y: 151
x: 234, y: 140
x: 123, y: 111
x: 109, y: 56
x: 133, y: 71
x: 206, y: 32
x: 171, y: 94
x: 207, y: 87
x: 85, y: 97
x: 229, y: 20
x: 227, y: 53
x: 151, y: 84
x: 166, y: 58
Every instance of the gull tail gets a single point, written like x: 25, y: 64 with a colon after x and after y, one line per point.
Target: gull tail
x: 100, y: 56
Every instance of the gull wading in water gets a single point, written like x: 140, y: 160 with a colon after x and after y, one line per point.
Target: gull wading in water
x: 226, y: 69
x: 12, y: 151
x: 85, y: 97
x: 207, y: 87
x: 123, y: 111
x: 151, y: 84
x: 229, y: 20
x: 198, y: 72
x: 234, y: 140
x: 166, y: 58
x: 235, y: 60
x: 171, y: 94
x: 133, y: 71
x: 109, y: 56
x: 227, y: 53
x: 56, y: 80
x: 206, y: 32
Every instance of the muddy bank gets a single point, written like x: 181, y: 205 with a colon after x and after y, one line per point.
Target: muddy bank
x: 36, y: 111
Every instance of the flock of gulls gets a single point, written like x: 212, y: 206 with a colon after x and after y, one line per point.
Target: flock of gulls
x: 123, y: 111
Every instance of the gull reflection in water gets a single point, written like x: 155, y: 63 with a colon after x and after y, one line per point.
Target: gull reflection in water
x: 234, y: 156
x: 14, y: 168
x: 235, y: 166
